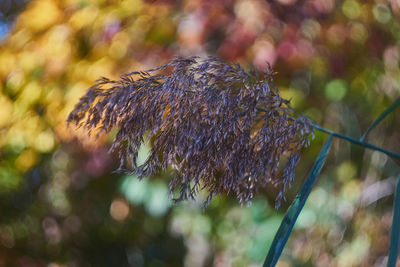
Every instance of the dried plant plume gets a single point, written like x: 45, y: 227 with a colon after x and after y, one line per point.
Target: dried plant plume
x: 220, y: 128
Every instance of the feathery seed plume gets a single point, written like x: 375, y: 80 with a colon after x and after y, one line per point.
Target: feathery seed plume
x: 222, y: 129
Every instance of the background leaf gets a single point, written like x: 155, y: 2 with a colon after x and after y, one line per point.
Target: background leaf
x: 395, y: 233
x: 380, y: 118
x: 294, y: 210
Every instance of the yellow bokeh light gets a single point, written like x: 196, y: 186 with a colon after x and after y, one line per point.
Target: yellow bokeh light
x: 84, y: 17
x: 40, y: 16
x: 119, y: 45
x: 19, y: 39
x: 352, y: 9
x: 6, y: 110
x: 26, y: 160
x: 8, y: 62
x: 297, y: 97
x: 45, y: 141
x: 15, y: 80
x: 29, y: 96
x: 100, y: 68
x: 358, y: 32
x: 28, y: 61
x: 131, y: 7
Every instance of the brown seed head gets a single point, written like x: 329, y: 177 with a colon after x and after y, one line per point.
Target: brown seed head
x: 221, y: 129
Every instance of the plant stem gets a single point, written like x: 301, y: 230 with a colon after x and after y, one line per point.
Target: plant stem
x: 347, y: 138
x: 356, y: 141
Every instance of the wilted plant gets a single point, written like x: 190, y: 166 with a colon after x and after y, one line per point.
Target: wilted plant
x: 204, y: 119
x: 219, y: 127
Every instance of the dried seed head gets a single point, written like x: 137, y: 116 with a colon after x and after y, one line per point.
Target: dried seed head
x: 222, y: 129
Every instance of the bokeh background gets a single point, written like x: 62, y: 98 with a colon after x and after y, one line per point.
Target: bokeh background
x: 61, y: 204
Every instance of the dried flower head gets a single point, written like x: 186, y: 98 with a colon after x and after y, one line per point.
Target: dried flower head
x: 220, y: 128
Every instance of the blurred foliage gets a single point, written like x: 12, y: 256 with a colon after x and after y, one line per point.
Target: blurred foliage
x: 61, y: 205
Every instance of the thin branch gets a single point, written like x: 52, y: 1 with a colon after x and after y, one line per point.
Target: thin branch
x: 348, y: 138
x: 355, y: 141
